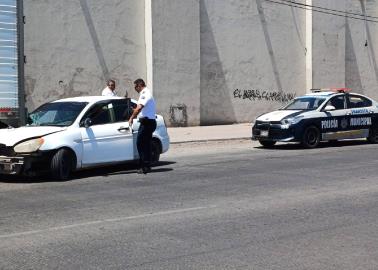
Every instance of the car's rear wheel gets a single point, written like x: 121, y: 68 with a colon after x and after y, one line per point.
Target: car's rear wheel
x: 62, y: 164
x: 311, y: 137
x: 155, y: 151
x: 267, y: 144
x: 373, y: 135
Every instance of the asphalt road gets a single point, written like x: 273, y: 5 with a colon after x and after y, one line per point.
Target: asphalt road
x: 219, y: 205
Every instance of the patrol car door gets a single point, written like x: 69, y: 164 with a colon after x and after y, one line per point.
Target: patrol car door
x: 361, y: 115
x: 108, y: 137
x: 334, y: 124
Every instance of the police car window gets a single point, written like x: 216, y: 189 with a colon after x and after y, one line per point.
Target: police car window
x: 337, y: 102
x: 358, y: 102
x: 100, y: 113
x: 305, y: 103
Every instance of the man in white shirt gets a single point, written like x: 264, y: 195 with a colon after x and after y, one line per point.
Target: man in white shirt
x: 110, y: 89
x: 146, y: 109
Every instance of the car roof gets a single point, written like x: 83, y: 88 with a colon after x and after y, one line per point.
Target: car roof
x: 90, y: 99
x: 321, y: 94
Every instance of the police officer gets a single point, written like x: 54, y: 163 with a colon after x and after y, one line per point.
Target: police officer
x: 146, y: 109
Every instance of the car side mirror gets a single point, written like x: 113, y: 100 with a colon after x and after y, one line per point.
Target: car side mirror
x: 329, y: 108
x: 87, y: 123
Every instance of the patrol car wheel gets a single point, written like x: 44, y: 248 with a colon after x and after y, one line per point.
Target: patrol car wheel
x: 373, y: 135
x: 267, y: 143
x: 62, y: 164
x: 311, y: 137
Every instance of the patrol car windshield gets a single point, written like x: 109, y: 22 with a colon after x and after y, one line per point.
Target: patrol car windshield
x: 305, y: 103
x: 56, y: 114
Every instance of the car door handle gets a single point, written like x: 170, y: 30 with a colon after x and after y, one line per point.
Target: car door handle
x: 123, y: 128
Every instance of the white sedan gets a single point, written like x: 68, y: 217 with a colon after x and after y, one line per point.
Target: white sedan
x: 75, y: 133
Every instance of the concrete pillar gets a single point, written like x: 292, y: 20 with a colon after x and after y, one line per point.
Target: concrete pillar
x: 328, y: 41
x: 148, y: 39
x: 309, y: 46
x: 173, y: 58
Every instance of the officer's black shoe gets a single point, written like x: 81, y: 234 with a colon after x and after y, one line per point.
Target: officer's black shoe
x: 140, y: 171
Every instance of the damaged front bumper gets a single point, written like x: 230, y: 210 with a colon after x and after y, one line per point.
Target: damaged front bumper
x: 31, y: 164
x: 11, y: 165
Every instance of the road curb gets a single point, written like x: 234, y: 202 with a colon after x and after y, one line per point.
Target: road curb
x: 212, y: 140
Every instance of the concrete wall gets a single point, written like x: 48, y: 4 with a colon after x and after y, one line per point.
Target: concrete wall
x: 73, y: 46
x: 252, y: 53
x: 208, y: 61
x: 345, y: 48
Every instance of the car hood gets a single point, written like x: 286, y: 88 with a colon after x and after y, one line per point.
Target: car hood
x: 11, y: 136
x: 277, y: 115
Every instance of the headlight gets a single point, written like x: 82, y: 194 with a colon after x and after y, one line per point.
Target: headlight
x: 292, y: 120
x: 29, y: 146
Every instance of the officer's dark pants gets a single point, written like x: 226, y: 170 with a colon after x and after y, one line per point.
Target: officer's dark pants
x: 144, y: 140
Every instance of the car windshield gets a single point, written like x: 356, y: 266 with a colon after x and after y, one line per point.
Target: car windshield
x: 305, y: 103
x: 56, y: 114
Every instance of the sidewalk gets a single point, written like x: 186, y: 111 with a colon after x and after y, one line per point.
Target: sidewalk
x: 210, y: 133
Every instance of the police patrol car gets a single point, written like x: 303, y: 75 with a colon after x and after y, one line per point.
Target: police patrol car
x: 323, y: 115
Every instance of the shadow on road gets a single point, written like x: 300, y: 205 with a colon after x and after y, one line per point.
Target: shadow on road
x: 298, y: 146
x: 119, y: 169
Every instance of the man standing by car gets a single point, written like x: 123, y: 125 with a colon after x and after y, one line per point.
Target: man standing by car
x: 109, y: 89
x: 146, y: 109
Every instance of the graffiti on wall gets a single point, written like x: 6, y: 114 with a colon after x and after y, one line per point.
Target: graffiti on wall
x: 263, y: 95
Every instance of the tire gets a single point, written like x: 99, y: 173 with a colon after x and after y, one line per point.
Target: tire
x: 155, y: 152
x: 373, y: 135
x: 333, y: 142
x: 62, y: 164
x: 267, y: 144
x: 311, y: 137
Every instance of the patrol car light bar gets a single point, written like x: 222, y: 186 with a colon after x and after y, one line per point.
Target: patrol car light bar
x: 338, y: 90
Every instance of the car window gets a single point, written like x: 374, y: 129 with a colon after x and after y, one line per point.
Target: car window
x: 122, y: 109
x: 100, y: 113
x: 56, y: 114
x: 338, y: 102
x: 305, y: 103
x: 358, y: 102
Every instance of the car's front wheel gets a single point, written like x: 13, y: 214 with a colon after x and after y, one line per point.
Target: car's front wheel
x: 311, y: 137
x: 373, y: 135
x: 62, y: 164
x: 267, y: 144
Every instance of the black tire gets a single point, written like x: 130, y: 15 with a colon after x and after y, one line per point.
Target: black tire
x: 155, y: 152
x: 373, y: 135
x: 267, y: 144
x: 333, y: 142
x: 311, y: 137
x: 62, y: 164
